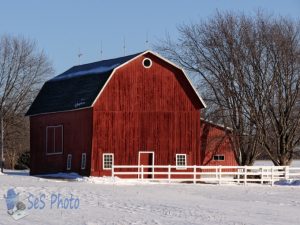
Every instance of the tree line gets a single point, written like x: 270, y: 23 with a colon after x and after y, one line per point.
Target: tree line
x: 248, y: 68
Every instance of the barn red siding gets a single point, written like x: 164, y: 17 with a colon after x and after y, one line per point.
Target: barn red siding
x: 216, y: 141
x: 154, y: 110
x: 77, y: 136
x: 143, y: 109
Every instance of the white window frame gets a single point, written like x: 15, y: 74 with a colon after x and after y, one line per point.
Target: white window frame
x: 83, y: 165
x: 62, y: 140
x: 218, y: 155
x: 69, y: 162
x: 179, y: 167
x: 112, y: 160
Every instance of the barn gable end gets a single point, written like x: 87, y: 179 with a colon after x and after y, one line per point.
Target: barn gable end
x: 146, y: 110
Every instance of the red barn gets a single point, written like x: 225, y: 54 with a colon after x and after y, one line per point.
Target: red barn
x: 134, y: 110
x: 216, y: 146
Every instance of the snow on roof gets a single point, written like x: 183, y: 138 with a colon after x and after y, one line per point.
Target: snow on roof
x: 216, y: 124
x: 75, y: 88
x: 79, y: 86
x: 98, y: 70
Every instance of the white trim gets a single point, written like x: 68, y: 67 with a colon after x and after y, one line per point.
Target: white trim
x: 112, y: 160
x: 69, y: 160
x: 62, y: 140
x: 185, y: 162
x: 147, y: 67
x: 218, y: 155
x: 157, y: 55
x: 83, y: 165
x: 139, y: 159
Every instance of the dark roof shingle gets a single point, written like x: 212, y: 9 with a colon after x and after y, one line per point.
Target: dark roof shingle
x: 76, y: 88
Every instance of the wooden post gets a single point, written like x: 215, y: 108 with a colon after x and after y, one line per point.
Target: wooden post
x: 245, y: 175
x: 142, y: 172
x: 169, y: 173
x: 286, y: 174
x: 195, y: 170
x: 220, y: 174
x: 153, y: 172
x: 272, y: 176
x: 112, y: 170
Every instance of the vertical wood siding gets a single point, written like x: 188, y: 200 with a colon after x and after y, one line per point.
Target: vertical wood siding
x: 143, y: 109
x: 216, y: 141
x: 77, y: 136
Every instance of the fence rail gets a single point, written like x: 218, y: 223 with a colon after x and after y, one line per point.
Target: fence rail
x: 209, y: 174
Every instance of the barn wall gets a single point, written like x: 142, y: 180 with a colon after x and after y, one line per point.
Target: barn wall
x: 77, y: 129
x: 216, y: 141
x: 143, y: 109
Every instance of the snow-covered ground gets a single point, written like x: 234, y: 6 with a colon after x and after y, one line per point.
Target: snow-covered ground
x: 108, y: 201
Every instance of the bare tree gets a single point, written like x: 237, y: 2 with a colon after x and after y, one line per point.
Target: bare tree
x: 23, y: 68
x: 278, y: 117
x: 249, y: 68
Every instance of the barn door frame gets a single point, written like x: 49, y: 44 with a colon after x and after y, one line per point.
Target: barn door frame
x: 139, y: 162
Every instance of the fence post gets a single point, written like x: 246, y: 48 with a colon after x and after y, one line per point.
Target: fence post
x: 287, y: 175
x: 142, y: 172
x: 195, y: 170
x: 112, y: 170
x: 153, y: 172
x: 220, y: 173
x: 245, y: 175
x: 169, y: 173
x: 272, y: 176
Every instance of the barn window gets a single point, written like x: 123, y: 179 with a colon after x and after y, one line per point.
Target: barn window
x: 83, y: 161
x: 219, y: 157
x: 69, y: 162
x: 147, y: 63
x: 180, y: 161
x: 54, y: 140
x: 108, y: 160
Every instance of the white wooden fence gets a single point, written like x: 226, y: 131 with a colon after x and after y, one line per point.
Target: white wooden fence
x: 208, y: 174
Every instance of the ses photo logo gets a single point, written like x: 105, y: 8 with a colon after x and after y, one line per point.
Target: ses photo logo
x: 18, y: 208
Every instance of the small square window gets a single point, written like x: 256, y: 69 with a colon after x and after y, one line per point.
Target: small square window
x: 219, y: 157
x: 83, y: 161
x: 180, y: 161
x: 108, y: 160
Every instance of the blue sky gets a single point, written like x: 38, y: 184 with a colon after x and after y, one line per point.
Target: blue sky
x: 62, y: 27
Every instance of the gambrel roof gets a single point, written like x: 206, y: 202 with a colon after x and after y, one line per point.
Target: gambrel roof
x: 79, y: 86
